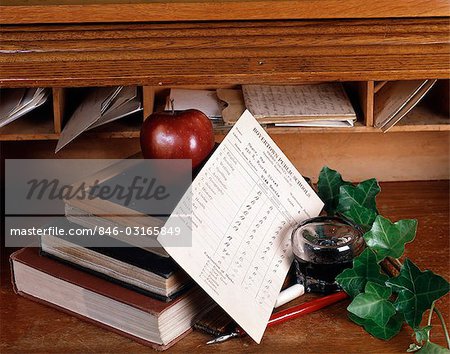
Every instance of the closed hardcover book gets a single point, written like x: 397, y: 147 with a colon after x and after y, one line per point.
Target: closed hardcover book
x: 127, y: 312
x: 112, y: 212
x: 133, y: 267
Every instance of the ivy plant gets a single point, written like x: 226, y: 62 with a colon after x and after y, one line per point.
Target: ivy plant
x: 381, y: 304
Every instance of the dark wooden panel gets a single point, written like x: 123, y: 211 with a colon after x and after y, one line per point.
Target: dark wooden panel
x: 224, y: 53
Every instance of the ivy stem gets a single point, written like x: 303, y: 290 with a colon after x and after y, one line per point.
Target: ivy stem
x: 430, y: 315
x: 444, y: 327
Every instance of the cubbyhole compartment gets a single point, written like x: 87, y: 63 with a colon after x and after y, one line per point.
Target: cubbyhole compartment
x: 124, y: 127
x: 432, y: 112
x: 359, y: 93
x: 427, y: 108
x: 37, y: 124
x: 47, y: 121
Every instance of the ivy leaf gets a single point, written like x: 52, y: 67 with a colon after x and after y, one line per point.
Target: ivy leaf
x: 433, y: 348
x: 328, y: 188
x: 425, y: 346
x: 365, y: 268
x: 361, y: 216
x: 363, y: 194
x: 416, y: 291
x: 386, y: 332
x: 422, y: 334
x: 373, y: 304
x: 388, y: 239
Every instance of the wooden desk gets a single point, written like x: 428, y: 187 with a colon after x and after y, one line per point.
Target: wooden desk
x: 159, y: 44
x: 29, y: 327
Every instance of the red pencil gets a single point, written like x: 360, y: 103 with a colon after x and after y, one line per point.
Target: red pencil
x: 305, y: 308
x: 289, y: 314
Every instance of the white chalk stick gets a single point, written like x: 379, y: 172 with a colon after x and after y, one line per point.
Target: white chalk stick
x: 289, y: 294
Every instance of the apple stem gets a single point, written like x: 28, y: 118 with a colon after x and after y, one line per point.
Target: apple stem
x: 172, y: 106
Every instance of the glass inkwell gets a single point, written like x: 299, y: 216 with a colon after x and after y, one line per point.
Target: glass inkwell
x: 323, y: 247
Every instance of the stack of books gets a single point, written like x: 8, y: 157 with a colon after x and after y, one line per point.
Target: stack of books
x: 138, y: 292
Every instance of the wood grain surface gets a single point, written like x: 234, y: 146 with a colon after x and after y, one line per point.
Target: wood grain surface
x: 29, y: 327
x: 223, y: 53
x: 66, y: 11
x: 43, y: 129
x: 59, y: 104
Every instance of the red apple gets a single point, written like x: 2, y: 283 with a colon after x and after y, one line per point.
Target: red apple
x: 177, y: 135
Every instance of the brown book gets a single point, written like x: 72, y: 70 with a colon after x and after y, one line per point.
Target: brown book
x: 142, y: 318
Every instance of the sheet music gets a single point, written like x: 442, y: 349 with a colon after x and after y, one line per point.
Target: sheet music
x: 320, y: 123
x: 317, y: 100
x: 245, y: 202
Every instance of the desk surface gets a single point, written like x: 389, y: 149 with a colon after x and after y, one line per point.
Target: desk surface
x: 26, y: 326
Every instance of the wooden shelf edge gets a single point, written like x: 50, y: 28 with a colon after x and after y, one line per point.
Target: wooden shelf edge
x: 16, y: 12
x: 357, y: 129
x: 424, y: 128
x: 27, y: 137
x: 222, y: 131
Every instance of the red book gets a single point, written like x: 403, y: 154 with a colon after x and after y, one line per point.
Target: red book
x: 132, y: 314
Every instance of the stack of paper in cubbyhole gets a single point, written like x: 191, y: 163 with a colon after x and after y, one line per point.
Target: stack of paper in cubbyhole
x: 17, y: 102
x: 101, y: 106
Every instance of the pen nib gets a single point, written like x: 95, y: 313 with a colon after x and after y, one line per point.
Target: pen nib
x: 223, y: 338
